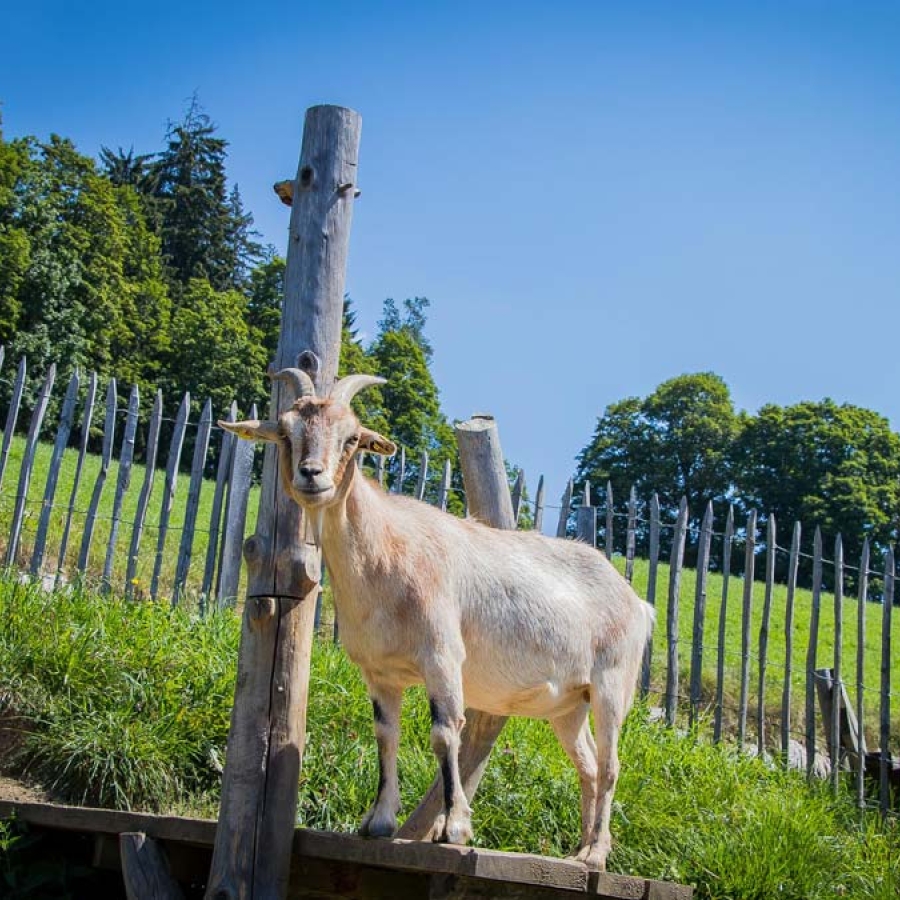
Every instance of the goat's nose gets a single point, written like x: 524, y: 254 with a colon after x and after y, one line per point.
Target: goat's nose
x: 310, y: 469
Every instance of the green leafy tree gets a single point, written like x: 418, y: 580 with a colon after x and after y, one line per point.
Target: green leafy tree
x: 264, y: 298
x: 674, y: 442
x: 822, y: 464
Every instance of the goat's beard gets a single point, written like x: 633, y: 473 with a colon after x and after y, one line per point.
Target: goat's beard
x: 313, y: 527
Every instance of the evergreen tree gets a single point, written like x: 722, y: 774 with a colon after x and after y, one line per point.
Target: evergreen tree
x: 196, y: 226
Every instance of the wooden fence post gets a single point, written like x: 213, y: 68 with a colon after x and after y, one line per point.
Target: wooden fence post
x: 700, y: 611
x: 539, y: 506
x: 12, y: 414
x: 771, y: 532
x: 675, y: 563
x: 652, y: 572
x: 175, y: 446
x: 723, y: 621
x: 86, y: 418
x: 518, y: 493
x: 484, y: 477
x: 109, y: 432
x: 422, y: 477
x: 126, y: 457
x: 811, y: 654
x: 608, y: 537
x: 252, y: 851
x: 789, y: 644
x: 749, y: 570
x: 144, y: 496
x: 887, y: 605
x: 564, y: 510
x: 67, y: 416
x: 34, y: 429
x: 444, y: 490
x: 630, y: 535
x: 835, y: 734
x: 862, y: 599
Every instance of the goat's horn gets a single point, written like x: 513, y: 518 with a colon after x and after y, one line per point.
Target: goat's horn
x: 347, y: 388
x: 298, y: 379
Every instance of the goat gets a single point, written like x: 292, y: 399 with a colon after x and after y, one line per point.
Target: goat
x: 511, y: 623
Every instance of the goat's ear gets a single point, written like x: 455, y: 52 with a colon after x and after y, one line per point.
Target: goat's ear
x: 253, y: 430
x: 375, y: 443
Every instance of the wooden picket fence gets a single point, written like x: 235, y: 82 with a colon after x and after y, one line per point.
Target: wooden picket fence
x: 218, y: 539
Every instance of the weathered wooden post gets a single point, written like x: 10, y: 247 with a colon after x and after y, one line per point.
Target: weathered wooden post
x: 265, y: 747
x: 484, y: 477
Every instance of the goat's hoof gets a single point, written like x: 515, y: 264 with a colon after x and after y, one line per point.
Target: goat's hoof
x: 375, y: 826
x: 593, y: 856
x: 436, y: 835
x: 458, y: 830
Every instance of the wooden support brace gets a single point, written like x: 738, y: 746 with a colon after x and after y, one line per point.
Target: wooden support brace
x: 145, y: 869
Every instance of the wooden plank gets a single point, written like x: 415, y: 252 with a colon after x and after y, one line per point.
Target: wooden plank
x: 565, y: 509
x: 700, y: 611
x: 140, y: 513
x: 422, y: 477
x: 109, y: 432
x: 236, y: 519
x: 835, y: 733
x: 168, y: 498
x: 444, y: 490
x: 884, y: 794
x: 746, y: 613
x: 811, y: 654
x: 494, y: 868
x: 862, y: 600
x: 675, y: 563
x: 145, y: 869
x: 652, y: 575
x: 185, y: 549
x: 727, y: 540
x: 608, y: 537
x: 379, y: 469
x: 12, y: 414
x: 630, y: 535
x: 34, y: 429
x: 518, y: 492
x: 771, y: 550
x: 226, y: 448
x: 539, y: 506
x: 86, y: 418
x: 789, y: 644
x: 126, y: 458
x: 67, y: 417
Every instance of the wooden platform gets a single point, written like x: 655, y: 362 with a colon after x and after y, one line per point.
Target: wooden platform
x: 327, y: 865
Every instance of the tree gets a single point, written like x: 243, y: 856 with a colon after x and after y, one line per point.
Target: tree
x: 674, y: 442
x: 264, y: 300
x: 820, y: 463
x: 204, y: 231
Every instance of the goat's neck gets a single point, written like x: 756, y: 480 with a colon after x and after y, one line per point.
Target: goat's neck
x: 355, y: 525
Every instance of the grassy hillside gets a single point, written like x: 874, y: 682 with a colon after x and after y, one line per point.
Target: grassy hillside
x: 127, y: 704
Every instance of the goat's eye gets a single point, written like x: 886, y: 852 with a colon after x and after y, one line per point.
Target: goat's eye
x: 351, y: 441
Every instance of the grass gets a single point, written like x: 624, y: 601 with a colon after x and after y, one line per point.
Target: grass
x: 128, y: 704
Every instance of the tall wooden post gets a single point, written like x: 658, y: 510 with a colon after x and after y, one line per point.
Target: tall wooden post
x: 265, y: 746
x: 487, y: 491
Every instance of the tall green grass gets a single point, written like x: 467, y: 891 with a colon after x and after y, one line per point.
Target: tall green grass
x: 127, y: 704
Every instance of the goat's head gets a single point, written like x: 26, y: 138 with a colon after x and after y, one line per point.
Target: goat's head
x: 317, y: 438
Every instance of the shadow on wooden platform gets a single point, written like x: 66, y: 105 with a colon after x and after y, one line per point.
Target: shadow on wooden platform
x: 326, y: 865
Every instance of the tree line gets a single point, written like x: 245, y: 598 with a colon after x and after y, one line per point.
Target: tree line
x: 146, y: 268
x: 835, y: 466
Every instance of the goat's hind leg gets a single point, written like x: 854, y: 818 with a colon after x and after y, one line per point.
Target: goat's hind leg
x: 609, y: 707
x: 381, y: 819
x: 574, y: 733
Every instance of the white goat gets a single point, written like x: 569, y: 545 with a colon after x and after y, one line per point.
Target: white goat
x: 506, y: 622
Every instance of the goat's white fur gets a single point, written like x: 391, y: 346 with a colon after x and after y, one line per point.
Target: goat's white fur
x: 510, y: 623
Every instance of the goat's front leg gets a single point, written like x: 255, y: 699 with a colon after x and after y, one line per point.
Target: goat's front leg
x: 381, y: 819
x: 445, y: 698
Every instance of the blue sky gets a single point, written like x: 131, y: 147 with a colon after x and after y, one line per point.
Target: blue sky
x: 595, y: 196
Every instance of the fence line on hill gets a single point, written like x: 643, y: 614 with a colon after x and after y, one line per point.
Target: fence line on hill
x: 839, y: 722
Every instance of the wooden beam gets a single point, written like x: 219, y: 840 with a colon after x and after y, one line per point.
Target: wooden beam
x: 145, y: 869
x: 268, y: 724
